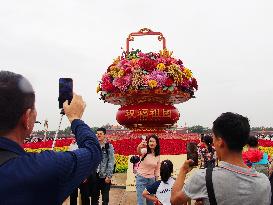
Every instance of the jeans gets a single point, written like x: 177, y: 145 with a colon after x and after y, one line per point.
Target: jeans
x: 141, y: 184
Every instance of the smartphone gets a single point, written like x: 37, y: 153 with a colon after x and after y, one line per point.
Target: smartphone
x: 65, y: 91
x: 192, y: 153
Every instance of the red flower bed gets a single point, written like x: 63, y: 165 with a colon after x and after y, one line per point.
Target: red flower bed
x: 48, y: 144
x: 170, y: 143
x: 167, y: 146
x: 265, y: 143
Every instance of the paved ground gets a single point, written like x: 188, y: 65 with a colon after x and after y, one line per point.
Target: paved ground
x: 118, y: 194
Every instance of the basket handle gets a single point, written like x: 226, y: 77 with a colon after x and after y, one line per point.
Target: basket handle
x: 144, y: 32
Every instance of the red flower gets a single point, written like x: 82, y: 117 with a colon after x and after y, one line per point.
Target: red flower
x: 169, y: 82
x: 147, y: 64
x: 194, y: 83
x: 179, y: 62
x: 107, y: 86
x: 252, y: 155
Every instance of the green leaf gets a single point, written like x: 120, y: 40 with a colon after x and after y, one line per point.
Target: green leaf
x: 171, y: 88
x: 145, y: 72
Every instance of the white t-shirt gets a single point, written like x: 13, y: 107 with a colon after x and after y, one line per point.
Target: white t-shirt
x: 162, y: 190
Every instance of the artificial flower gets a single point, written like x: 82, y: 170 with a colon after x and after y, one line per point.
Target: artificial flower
x: 165, y: 53
x: 120, y: 73
x: 107, y: 86
x: 180, y: 62
x: 98, y: 89
x: 161, y: 66
x: 252, y: 155
x: 147, y: 64
x: 159, y: 76
x: 187, y: 72
x: 123, y: 82
x: 114, y: 71
x: 152, y: 83
x: 175, y: 72
x: 194, y: 83
x: 169, y: 82
x: 139, y: 71
x: 137, y: 79
x: 117, y: 60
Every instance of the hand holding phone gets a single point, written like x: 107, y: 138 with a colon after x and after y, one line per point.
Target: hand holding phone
x: 75, y: 109
x: 186, y: 167
x: 192, y: 154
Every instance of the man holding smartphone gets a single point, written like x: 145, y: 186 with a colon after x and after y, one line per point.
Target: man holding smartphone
x: 39, y: 178
x: 232, y: 182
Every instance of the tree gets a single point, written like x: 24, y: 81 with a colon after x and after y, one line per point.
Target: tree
x: 94, y: 129
x: 107, y: 126
x: 198, y: 129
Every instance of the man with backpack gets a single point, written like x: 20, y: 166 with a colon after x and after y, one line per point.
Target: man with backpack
x: 232, y: 182
x: 100, y: 181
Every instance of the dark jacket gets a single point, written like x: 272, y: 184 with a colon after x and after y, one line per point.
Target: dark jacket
x: 48, y: 177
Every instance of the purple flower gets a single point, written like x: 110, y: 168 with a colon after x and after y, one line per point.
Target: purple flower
x: 159, y: 76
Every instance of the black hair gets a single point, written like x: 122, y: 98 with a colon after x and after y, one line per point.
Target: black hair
x: 102, y: 129
x: 253, y: 141
x: 233, y: 128
x: 157, y: 148
x: 208, y: 141
x: 166, y: 170
x: 16, y: 96
x: 202, y: 137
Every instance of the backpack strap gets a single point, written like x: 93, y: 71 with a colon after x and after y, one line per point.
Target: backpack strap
x: 6, y: 155
x: 209, y: 185
x: 106, y: 146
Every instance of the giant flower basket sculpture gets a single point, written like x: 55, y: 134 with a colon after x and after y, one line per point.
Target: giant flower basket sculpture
x: 146, y: 85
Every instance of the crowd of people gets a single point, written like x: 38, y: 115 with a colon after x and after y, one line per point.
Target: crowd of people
x: 50, y: 177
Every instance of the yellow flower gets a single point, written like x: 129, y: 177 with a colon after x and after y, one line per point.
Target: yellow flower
x: 133, y: 62
x: 120, y: 73
x: 152, y: 83
x: 161, y: 66
x: 117, y: 60
x: 175, y: 72
x: 114, y: 70
x: 165, y: 53
x: 98, y: 89
x: 187, y: 73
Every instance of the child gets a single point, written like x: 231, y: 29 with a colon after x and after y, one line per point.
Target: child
x: 160, y: 191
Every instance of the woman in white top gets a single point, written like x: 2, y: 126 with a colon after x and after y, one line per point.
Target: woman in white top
x: 160, y: 191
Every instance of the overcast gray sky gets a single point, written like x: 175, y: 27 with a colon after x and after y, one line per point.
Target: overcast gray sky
x: 228, y: 45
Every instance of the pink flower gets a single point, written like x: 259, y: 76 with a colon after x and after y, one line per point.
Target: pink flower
x: 123, y: 82
x: 106, y: 84
x: 159, y: 76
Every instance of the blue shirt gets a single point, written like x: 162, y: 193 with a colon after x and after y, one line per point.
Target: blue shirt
x: 49, y: 177
x: 264, y: 160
